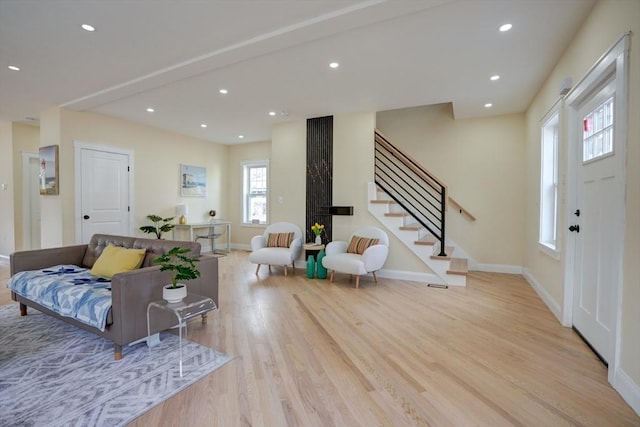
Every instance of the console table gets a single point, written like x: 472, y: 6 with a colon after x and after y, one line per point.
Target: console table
x: 204, y: 228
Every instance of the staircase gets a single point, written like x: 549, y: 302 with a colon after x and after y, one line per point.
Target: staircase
x: 411, y: 203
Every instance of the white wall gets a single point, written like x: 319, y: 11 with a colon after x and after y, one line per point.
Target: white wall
x: 26, y: 139
x: 7, y: 239
x: 241, y: 234
x: 481, y: 161
x: 608, y: 20
x: 158, y: 155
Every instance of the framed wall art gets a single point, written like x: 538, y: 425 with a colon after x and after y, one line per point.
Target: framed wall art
x: 49, y: 170
x: 193, y: 181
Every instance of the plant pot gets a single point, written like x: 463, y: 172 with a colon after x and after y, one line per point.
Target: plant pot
x: 173, y: 295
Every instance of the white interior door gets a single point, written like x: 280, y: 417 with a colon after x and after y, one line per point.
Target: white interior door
x: 596, y: 225
x: 104, y: 193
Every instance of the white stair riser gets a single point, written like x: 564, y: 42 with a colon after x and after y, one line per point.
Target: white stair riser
x: 408, y: 237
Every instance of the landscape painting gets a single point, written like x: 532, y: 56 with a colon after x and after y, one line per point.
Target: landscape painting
x: 193, y: 181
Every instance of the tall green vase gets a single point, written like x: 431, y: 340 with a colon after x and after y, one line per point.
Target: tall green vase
x: 311, y: 267
x: 322, y: 272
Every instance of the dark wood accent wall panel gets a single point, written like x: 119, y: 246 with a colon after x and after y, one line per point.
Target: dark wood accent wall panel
x: 319, y: 175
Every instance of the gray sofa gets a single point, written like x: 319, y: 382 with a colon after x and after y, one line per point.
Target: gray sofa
x: 131, y: 291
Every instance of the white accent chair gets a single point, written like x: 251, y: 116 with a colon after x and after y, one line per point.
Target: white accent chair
x: 262, y: 254
x: 371, y: 260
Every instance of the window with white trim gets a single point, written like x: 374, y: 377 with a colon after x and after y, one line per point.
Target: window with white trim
x: 549, y: 181
x: 255, y: 191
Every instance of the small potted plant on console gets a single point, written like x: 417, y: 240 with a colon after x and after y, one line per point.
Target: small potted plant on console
x: 182, y: 267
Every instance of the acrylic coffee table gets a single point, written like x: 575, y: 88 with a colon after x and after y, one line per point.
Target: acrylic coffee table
x: 191, y: 306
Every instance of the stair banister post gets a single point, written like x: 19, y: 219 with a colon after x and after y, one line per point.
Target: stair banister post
x: 443, y: 207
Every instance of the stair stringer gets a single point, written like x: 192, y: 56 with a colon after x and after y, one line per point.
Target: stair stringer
x: 408, y: 237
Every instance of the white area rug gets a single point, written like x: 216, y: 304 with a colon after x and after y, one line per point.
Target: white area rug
x: 53, y: 374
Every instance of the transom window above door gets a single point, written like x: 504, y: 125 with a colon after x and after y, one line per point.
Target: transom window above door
x: 597, y: 132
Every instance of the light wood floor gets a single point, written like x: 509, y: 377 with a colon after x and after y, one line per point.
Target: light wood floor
x: 310, y: 353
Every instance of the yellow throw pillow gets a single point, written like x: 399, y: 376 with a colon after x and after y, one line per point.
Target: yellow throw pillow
x: 115, y: 259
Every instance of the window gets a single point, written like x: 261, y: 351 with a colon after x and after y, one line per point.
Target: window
x: 597, y: 132
x: 549, y: 181
x: 255, y: 192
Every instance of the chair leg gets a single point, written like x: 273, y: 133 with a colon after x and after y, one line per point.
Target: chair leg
x: 285, y: 270
x: 293, y: 268
x: 375, y: 279
x: 331, y: 276
x: 357, y: 281
x: 257, y: 269
x: 269, y: 268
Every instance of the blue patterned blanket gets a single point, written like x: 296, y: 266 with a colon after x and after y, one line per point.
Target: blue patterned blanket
x: 69, y: 290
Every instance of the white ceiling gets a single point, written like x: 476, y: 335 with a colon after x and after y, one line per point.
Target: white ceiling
x: 174, y: 56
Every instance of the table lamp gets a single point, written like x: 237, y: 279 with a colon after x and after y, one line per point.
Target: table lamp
x: 182, y: 211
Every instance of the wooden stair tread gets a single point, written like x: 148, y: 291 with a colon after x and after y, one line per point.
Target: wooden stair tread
x: 448, y: 250
x: 426, y: 241
x: 396, y: 214
x: 413, y: 227
x: 458, y: 266
x: 383, y: 202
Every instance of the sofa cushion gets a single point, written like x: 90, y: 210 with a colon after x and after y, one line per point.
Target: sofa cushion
x: 99, y: 242
x: 117, y: 260
x: 154, y: 247
x: 359, y: 244
x: 279, y: 240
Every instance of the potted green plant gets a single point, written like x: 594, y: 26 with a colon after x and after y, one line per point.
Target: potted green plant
x: 182, y: 267
x: 160, y: 225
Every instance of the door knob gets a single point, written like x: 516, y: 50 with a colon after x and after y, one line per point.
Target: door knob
x: 575, y: 228
x: 86, y: 217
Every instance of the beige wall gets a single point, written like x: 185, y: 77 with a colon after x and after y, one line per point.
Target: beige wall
x: 608, y: 20
x: 352, y: 170
x: 481, y: 161
x: 287, y: 172
x: 157, y: 157
x: 241, y: 234
x: 7, y: 239
x: 26, y: 139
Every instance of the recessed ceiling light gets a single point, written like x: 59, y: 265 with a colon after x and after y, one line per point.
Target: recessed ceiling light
x: 13, y: 68
x: 88, y: 27
x: 272, y: 113
x: 505, y: 27
x: 150, y: 110
x: 488, y: 105
x: 494, y: 78
x: 223, y: 91
x: 240, y: 136
x: 203, y: 125
x: 334, y: 65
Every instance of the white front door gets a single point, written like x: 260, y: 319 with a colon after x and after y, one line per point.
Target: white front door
x: 104, y: 193
x: 596, y: 222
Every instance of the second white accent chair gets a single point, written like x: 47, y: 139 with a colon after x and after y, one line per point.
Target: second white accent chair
x: 280, y: 244
x: 361, y: 255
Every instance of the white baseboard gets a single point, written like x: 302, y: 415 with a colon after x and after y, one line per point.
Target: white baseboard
x: 496, y: 268
x: 240, y: 246
x: 551, y: 303
x: 409, y: 275
x: 628, y: 389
